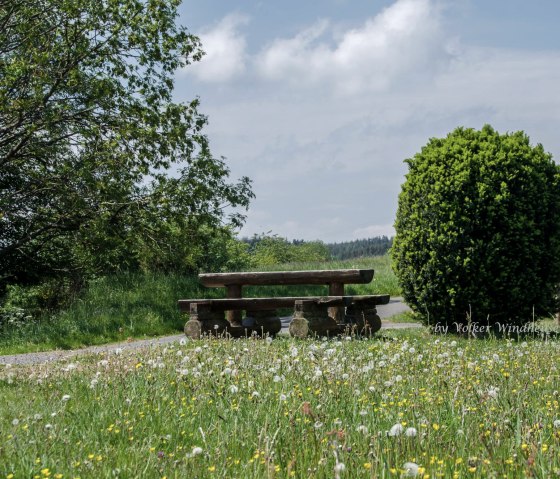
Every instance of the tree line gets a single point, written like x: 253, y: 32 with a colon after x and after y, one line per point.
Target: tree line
x: 377, y: 246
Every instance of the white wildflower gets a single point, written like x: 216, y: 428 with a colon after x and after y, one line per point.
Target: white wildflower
x: 363, y: 429
x: 339, y: 467
x: 15, y: 422
x: 66, y: 397
x: 556, y: 423
x: 396, y: 430
x: 492, y: 392
x: 411, y: 469
x: 196, y: 451
x: 233, y: 389
x: 410, y: 432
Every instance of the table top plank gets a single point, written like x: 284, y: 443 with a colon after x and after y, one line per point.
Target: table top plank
x: 262, y: 278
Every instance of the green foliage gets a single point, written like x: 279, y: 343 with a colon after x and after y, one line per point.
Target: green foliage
x: 478, y: 229
x: 358, y: 248
x: 100, y: 170
x: 268, y: 251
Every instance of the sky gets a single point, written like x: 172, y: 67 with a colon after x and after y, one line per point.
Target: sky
x: 320, y: 102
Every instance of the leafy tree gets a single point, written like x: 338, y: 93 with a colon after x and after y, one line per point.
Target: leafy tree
x: 89, y: 134
x: 478, y: 229
x: 266, y: 251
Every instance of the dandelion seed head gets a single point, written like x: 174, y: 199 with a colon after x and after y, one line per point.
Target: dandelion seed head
x: 410, y: 432
x: 411, y: 469
x: 339, y: 467
x: 396, y: 430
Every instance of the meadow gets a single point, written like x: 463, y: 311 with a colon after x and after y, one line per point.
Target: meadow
x: 403, y: 404
x: 140, y: 305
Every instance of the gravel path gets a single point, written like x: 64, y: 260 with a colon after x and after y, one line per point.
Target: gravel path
x: 394, y: 307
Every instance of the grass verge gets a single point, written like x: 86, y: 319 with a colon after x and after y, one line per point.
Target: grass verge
x: 119, y: 307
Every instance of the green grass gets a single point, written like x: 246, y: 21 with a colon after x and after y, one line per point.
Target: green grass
x: 250, y: 409
x: 384, y: 280
x: 111, y: 309
x: 143, y: 305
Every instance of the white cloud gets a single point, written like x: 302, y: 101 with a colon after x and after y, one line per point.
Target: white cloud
x: 330, y: 166
x: 225, y: 47
x: 404, y: 37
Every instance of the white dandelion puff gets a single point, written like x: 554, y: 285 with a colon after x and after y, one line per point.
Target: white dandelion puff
x: 396, y: 430
x: 411, y: 469
x: 410, y: 432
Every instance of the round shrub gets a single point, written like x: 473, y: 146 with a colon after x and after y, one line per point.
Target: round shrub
x: 478, y: 230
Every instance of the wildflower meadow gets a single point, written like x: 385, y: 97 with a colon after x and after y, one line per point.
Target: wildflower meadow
x: 403, y: 404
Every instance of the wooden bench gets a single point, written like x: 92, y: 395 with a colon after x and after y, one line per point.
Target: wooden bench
x: 321, y: 315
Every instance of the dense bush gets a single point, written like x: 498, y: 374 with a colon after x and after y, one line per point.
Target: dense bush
x: 478, y: 229
x: 268, y: 251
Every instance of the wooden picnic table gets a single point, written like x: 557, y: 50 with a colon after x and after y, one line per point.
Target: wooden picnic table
x: 334, y: 279
x: 323, y: 315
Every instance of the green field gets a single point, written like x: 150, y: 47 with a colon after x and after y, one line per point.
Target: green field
x: 138, y: 305
x: 404, y: 404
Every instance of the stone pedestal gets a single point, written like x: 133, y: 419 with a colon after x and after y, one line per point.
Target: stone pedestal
x: 312, y: 318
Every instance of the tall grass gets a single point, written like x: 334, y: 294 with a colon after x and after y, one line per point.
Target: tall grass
x: 137, y: 305
x: 384, y: 279
x: 402, y: 405
x: 112, y: 308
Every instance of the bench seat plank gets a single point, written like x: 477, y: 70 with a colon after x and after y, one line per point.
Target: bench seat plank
x: 262, y: 304
x: 344, y: 276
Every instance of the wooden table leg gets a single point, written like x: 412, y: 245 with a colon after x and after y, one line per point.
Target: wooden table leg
x: 337, y: 312
x: 234, y: 291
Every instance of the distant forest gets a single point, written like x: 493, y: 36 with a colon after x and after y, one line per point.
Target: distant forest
x: 282, y: 250
x: 362, y: 247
